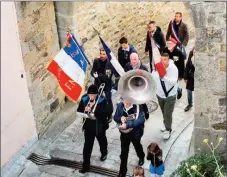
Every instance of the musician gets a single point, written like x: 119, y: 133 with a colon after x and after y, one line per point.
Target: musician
x: 125, y: 110
x: 178, y: 30
x: 178, y: 57
x: 155, y: 37
x: 101, y: 71
x: 135, y: 63
x: 94, y: 127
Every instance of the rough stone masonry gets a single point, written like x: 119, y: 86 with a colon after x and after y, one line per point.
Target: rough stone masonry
x: 210, y: 76
x: 39, y: 44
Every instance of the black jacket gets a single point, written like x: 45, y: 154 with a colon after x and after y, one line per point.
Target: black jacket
x: 189, y: 75
x: 137, y: 125
x: 101, y: 112
x: 128, y: 67
x: 102, y: 76
x: 179, y: 63
x: 156, y: 159
x: 158, y: 37
x: 123, y: 56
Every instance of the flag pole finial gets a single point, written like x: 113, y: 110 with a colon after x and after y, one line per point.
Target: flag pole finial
x: 95, y: 30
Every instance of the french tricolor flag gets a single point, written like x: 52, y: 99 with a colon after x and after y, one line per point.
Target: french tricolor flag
x: 69, y: 67
x: 159, y: 67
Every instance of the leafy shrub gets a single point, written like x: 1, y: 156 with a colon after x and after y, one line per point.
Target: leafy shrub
x: 202, y: 165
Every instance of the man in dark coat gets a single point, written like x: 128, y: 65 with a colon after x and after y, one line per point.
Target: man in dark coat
x: 124, y: 52
x: 93, y: 127
x: 135, y: 63
x: 177, y: 56
x: 156, y: 37
x: 124, y: 110
x: 101, y: 71
x: 178, y: 30
x: 189, y: 79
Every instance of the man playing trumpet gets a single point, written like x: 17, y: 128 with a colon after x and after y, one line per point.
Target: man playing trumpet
x: 94, y: 126
x: 125, y: 111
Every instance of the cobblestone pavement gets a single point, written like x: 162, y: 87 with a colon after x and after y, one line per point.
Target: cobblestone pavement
x: 174, y: 150
x: 64, y: 147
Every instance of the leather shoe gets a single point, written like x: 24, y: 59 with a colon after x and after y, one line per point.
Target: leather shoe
x: 103, y: 157
x: 146, y: 115
x: 188, y: 107
x: 141, y: 162
x: 179, y: 94
x: 83, y: 170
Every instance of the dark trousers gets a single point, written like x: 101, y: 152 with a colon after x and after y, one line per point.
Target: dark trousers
x: 145, y: 108
x: 110, y: 103
x: 167, y: 107
x: 126, y: 139
x: 116, y: 83
x: 88, y: 145
x: 190, y: 98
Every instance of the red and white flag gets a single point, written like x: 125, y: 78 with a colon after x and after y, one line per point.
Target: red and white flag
x: 69, y: 67
x: 157, y: 62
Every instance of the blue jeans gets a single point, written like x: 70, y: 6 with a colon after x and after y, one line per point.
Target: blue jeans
x: 179, y: 89
x: 189, y: 97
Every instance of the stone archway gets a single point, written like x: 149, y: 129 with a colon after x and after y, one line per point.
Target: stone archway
x: 210, y: 78
x: 210, y: 32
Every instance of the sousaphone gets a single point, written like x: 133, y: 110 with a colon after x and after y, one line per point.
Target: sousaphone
x: 137, y: 88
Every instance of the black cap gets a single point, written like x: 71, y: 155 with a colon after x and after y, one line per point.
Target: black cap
x: 92, y: 89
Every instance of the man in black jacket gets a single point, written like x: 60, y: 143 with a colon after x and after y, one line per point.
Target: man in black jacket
x: 94, y: 126
x: 124, y: 52
x: 155, y: 37
x: 124, y: 110
x: 101, y: 71
x: 135, y: 63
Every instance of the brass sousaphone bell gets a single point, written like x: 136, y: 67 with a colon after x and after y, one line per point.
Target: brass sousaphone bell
x: 137, y: 88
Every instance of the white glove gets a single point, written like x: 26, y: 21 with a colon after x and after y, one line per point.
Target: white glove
x: 95, y: 75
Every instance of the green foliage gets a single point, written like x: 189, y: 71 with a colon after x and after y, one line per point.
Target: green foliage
x: 203, y: 163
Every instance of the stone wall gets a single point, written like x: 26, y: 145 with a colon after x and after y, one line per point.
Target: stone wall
x: 39, y: 44
x: 210, y: 76
x: 113, y: 18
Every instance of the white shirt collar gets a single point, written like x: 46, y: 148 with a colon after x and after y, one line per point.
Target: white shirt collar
x: 126, y: 49
x: 128, y: 108
x: 152, y: 33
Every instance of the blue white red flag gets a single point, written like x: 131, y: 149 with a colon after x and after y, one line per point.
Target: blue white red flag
x: 117, y: 68
x: 69, y: 67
